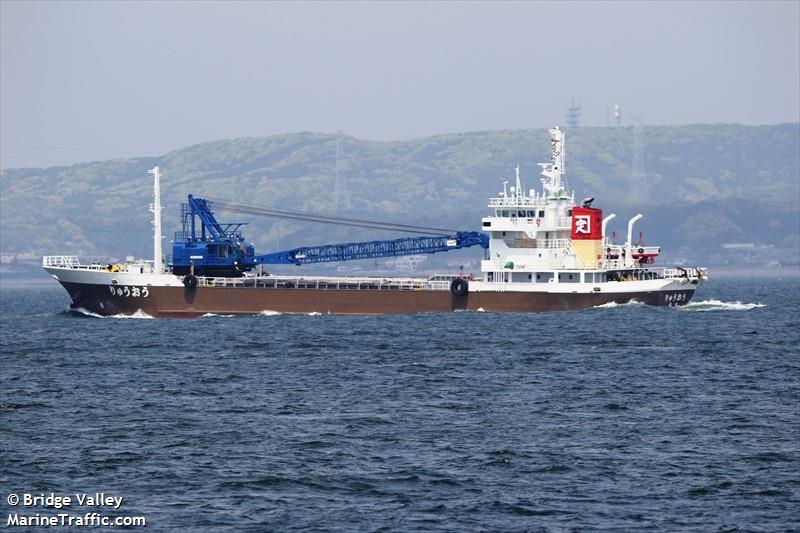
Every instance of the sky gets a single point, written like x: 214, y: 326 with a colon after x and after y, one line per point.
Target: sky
x: 82, y: 81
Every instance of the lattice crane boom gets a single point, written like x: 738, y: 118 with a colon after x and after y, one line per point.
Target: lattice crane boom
x: 208, y: 247
x: 374, y: 249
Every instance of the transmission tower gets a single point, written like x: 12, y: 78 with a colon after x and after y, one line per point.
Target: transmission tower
x: 573, y: 119
x: 341, y: 194
x: 639, y: 183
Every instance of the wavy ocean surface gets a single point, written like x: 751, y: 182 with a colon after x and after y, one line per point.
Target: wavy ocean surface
x: 618, y: 418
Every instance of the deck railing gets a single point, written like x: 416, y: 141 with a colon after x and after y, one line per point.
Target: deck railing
x: 292, y: 282
x: 64, y: 261
x: 554, y: 243
x: 527, y: 222
x: 512, y: 202
x: 69, y: 261
x: 661, y: 273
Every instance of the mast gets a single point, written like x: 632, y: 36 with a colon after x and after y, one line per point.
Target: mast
x: 155, y: 208
x: 555, y: 168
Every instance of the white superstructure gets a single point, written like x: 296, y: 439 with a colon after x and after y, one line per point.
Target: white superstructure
x: 530, y: 230
x: 533, y: 246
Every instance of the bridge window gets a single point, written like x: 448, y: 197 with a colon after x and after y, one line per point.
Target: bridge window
x: 595, y: 277
x: 541, y: 214
x: 568, y: 277
x: 544, y: 277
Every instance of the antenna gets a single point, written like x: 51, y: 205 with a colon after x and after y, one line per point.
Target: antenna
x: 155, y: 208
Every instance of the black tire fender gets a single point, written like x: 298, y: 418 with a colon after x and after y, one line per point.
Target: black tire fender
x: 459, y: 287
x: 190, y: 281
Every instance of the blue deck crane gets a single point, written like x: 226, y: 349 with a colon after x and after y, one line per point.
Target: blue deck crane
x: 207, y: 247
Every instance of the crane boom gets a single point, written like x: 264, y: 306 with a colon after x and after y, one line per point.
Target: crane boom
x: 207, y: 247
x: 374, y: 249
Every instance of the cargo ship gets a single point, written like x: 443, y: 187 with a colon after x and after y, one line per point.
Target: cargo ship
x: 541, y: 251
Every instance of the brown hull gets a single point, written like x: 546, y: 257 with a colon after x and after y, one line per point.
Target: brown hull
x: 183, y: 302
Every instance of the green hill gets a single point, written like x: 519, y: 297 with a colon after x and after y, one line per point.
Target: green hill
x: 703, y: 185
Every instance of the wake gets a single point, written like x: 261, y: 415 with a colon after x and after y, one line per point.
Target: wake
x: 612, y: 305
x: 85, y: 312
x: 718, y: 305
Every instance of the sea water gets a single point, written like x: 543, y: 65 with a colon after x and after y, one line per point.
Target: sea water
x: 623, y: 417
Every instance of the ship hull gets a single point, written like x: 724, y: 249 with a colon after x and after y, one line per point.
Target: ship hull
x: 179, y: 301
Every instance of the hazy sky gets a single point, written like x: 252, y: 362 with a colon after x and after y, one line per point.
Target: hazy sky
x: 99, y: 80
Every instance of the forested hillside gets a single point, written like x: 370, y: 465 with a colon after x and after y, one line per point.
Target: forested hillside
x: 703, y: 185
